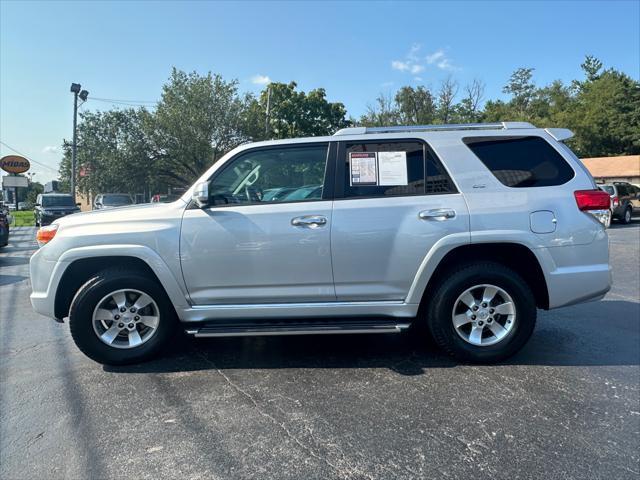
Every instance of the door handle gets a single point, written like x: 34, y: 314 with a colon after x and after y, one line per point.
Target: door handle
x: 309, y: 221
x: 438, y: 215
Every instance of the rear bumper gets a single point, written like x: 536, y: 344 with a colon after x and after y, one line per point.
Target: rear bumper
x: 577, y: 273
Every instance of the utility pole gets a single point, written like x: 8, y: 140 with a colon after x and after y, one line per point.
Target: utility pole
x: 75, y: 89
x: 266, y: 121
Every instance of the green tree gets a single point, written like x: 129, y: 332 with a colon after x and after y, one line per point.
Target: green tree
x: 447, y: 108
x: 522, y: 91
x: 114, y: 154
x: 606, y: 115
x: 32, y: 192
x: 292, y: 113
x: 382, y: 113
x: 591, y: 67
x: 197, y: 120
x: 415, y: 106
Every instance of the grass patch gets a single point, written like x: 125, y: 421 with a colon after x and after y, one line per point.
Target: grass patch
x: 23, y: 219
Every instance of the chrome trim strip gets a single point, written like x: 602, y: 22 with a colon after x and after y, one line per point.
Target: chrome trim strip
x: 253, y: 306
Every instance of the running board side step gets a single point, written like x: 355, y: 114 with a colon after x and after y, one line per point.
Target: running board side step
x: 245, y: 329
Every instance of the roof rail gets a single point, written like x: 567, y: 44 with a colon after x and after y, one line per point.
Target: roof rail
x: 432, y: 128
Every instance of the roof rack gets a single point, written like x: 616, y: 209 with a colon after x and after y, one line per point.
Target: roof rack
x: 431, y: 128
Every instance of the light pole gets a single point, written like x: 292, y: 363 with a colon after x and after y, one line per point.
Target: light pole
x: 75, y: 89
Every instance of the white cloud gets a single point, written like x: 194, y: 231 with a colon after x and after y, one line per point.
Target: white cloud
x: 414, y: 63
x: 260, y: 79
x: 386, y: 84
x: 435, y: 56
x: 50, y: 149
x: 408, y: 66
x: 440, y: 59
x: 417, y: 79
x: 398, y: 65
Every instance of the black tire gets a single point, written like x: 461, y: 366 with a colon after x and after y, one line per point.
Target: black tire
x: 626, y: 216
x: 92, y: 292
x: 441, y: 304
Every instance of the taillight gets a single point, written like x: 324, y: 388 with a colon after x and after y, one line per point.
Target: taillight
x: 592, y: 200
x: 595, y: 202
x: 616, y: 201
x: 46, y: 234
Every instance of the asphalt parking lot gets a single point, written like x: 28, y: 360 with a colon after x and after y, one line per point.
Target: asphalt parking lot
x: 366, y: 406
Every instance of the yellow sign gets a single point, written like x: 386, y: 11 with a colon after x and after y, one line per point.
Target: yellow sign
x: 14, y: 164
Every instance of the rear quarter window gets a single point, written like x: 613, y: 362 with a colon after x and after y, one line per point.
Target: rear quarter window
x: 521, y: 162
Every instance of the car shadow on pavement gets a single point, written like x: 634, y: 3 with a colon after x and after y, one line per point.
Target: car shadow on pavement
x: 13, y: 261
x: 9, y: 279
x: 596, y: 334
x: 615, y: 225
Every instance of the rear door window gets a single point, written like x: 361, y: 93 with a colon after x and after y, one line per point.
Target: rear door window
x: 521, y: 161
x: 371, y: 169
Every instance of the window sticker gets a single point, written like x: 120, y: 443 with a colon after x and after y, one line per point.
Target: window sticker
x: 364, y: 168
x: 392, y: 168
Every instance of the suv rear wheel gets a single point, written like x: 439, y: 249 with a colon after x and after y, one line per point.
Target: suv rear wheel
x: 483, y: 312
x: 121, y: 316
x: 626, y: 216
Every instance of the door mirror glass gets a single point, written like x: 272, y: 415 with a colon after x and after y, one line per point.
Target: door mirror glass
x: 200, y: 195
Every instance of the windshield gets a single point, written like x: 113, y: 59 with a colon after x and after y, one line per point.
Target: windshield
x: 609, y: 189
x: 116, y: 200
x: 58, y: 201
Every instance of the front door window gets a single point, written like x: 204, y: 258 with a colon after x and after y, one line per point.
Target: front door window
x: 273, y: 175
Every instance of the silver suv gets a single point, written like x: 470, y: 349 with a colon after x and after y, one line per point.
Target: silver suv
x: 464, y: 229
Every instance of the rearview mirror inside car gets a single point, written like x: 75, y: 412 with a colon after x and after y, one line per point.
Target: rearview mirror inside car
x: 200, y: 194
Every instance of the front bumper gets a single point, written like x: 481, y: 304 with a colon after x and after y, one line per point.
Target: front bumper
x: 45, y: 275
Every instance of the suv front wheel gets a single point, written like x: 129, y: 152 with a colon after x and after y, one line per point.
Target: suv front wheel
x: 483, y: 312
x: 121, y: 316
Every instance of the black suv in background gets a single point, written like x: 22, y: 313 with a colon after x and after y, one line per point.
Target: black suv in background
x: 51, y: 206
x: 625, y: 200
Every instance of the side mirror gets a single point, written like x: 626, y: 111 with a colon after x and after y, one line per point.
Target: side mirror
x: 200, y: 194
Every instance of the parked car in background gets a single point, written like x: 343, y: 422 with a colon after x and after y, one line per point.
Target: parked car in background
x: 51, y: 206
x: 466, y: 230
x: 625, y: 200
x: 23, y: 206
x: 4, y: 228
x: 112, y: 200
x: 164, y: 198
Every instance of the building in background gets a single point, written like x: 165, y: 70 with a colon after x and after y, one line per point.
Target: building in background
x: 614, y: 169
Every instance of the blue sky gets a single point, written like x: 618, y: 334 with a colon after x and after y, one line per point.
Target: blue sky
x: 355, y: 51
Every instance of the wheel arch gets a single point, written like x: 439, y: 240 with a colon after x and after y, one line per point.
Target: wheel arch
x: 515, y: 256
x: 81, y: 266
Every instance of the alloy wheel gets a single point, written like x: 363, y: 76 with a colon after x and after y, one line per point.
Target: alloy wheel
x: 126, y: 318
x: 484, y: 315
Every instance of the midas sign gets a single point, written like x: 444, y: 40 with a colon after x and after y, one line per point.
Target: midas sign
x: 14, y: 164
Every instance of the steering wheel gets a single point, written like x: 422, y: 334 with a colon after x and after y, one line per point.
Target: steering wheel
x: 253, y: 194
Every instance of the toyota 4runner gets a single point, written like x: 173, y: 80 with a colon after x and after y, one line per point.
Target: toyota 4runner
x: 464, y: 229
